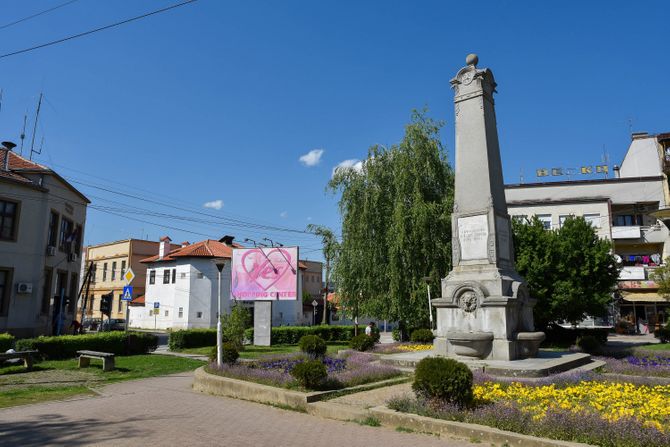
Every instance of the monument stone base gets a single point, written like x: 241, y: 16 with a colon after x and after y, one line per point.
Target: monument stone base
x: 545, y: 364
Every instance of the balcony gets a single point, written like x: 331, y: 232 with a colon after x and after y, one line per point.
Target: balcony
x: 626, y: 232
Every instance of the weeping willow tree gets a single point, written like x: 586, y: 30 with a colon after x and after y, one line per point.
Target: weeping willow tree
x: 396, y: 226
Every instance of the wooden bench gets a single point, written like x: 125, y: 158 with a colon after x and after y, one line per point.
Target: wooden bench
x: 106, y: 357
x: 27, y: 357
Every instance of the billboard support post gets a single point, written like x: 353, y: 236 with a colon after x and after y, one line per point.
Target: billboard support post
x: 263, y: 323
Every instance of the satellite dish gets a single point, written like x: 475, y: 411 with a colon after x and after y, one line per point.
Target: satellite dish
x: 618, y: 259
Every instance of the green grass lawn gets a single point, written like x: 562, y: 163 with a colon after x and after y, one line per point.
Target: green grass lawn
x: 58, y: 379
x: 657, y: 347
x: 254, y: 352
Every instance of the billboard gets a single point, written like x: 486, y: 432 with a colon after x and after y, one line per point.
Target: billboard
x: 268, y: 273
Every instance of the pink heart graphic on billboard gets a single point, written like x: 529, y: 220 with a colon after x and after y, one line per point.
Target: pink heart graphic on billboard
x: 265, y: 269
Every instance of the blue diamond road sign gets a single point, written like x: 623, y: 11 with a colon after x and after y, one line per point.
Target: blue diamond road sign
x: 127, y: 293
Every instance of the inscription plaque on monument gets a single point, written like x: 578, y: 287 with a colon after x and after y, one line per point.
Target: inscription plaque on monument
x: 473, y: 233
x: 502, y: 228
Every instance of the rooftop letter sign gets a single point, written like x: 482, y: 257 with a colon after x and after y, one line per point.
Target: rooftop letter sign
x: 268, y: 273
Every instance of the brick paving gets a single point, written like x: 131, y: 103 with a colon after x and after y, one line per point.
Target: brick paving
x: 164, y: 411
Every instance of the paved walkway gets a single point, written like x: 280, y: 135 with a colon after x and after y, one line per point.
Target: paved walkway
x: 164, y: 411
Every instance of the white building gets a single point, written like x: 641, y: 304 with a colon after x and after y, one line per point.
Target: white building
x: 42, y: 219
x: 182, y: 288
x: 628, y: 209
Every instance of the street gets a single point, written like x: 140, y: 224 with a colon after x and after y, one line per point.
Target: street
x: 165, y: 411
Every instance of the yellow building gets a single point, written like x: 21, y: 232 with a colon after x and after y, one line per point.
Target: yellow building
x: 111, y: 261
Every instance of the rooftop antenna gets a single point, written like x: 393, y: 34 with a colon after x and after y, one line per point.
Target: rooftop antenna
x: 37, y: 116
x: 23, y: 132
x: 521, y: 177
x: 606, y: 161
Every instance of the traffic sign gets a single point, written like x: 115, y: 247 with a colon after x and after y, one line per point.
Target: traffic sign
x: 157, y: 305
x: 127, y: 293
x: 129, y: 275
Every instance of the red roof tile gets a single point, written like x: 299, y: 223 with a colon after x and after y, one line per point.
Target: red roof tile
x: 204, y: 249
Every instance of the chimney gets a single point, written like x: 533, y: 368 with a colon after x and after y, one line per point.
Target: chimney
x: 639, y: 135
x: 185, y: 244
x: 164, y: 247
x: 7, y: 147
x: 228, y: 240
x: 617, y: 171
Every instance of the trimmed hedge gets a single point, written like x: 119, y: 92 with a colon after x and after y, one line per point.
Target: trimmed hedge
x: 313, y: 345
x: 422, y: 336
x: 6, y: 342
x: 362, y: 342
x: 191, y: 338
x: 66, y: 346
x: 291, y: 335
x: 561, y: 336
x: 444, y: 379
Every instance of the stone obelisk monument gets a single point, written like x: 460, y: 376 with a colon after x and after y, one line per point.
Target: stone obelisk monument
x: 485, y: 311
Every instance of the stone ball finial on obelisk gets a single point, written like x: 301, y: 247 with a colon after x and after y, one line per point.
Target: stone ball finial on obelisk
x: 472, y: 59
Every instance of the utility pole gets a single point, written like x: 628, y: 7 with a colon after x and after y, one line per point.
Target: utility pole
x: 87, y: 284
x: 325, y: 293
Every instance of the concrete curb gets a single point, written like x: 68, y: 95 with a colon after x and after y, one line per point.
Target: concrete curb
x: 482, y: 433
x: 242, y: 389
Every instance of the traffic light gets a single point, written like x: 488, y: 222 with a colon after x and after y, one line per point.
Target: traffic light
x: 106, y: 303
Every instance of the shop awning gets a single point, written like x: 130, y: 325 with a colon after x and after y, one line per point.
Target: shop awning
x: 642, y: 297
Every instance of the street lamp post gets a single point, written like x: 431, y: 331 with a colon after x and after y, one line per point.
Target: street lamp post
x: 430, y: 304
x: 220, y: 264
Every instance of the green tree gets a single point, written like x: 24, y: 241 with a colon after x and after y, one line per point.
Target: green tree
x: 396, y: 225
x: 234, y: 323
x: 661, y: 276
x: 331, y: 248
x: 570, y: 271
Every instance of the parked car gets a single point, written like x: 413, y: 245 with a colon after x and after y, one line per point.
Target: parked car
x: 91, y: 324
x: 114, y: 324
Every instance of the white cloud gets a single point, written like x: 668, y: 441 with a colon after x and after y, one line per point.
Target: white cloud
x: 353, y: 163
x: 312, y: 158
x: 214, y: 204
x: 309, y: 218
x: 283, y: 214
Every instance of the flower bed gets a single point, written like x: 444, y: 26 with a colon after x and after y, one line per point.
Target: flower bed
x: 397, y: 348
x: 643, y: 363
x: 353, y: 368
x: 604, y: 413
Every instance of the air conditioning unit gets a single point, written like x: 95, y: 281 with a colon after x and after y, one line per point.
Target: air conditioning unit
x: 24, y: 287
x: 71, y: 257
x: 51, y: 250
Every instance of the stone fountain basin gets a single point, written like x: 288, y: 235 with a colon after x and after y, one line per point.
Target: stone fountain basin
x: 528, y: 343
x: 471, y: 344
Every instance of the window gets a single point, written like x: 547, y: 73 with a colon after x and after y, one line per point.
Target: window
x: 181, y: 312
x: 66, y: 234
x: 5, y: 289
x: 200, y: 275
x: 546, y: 220
x: 166, y: 276
x: 8, y: 219
x: 52, y: 238
x: 628, y: 220
x: 166, y: 313
x: 46, y: 291
x: 562, y: 219
x: 593, y: 219
x: 123, y: 267
x: 104, y: 272
x: 199, y: 314
x: 174, y: 276
x: 77, y: 240
x: 182, y: 275
x: 118, y: 309
x: 152, y: 277
x: 113, y: 270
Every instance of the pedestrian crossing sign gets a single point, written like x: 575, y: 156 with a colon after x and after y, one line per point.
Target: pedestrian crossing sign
x: 127, y: 293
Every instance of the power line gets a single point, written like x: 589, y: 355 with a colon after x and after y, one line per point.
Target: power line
x: 102, y: 28
x: 36, y: 14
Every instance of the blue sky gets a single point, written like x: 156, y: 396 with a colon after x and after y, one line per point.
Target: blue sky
x: 218, y: 100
